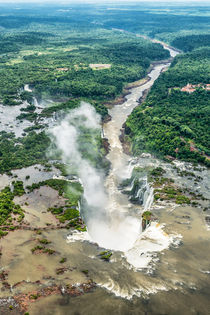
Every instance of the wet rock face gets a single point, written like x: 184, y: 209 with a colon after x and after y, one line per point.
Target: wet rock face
x: 146, y: 219
x: 106, y: 145
x: 138, y: 191
x: 146, y: 155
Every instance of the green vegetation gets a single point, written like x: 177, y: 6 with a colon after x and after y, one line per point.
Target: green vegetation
x: 22, y: 152
x: 147, y: 215
x: 57, y: 184
x: 64, y: 214
x: 18, y: 189
x: 85, y: 272
x: 156, y: 177
x: 44, y: 241
x: 34, y: 296
x: 174, y: 193
x: 56, y: 63
x: 77, y: 224
x: 57, y: 66
x: 11, y: 215
x: 42, y: 249
x: 105, y: 255
x: 146, y: 219
x: 172, y: 122
x: 191, y: 42
x: 167, y: 189
x: 72, y: 192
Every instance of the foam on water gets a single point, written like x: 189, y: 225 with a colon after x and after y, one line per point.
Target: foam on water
x: 140, y: 253
x: 151, y: 241
x: 129, y: 293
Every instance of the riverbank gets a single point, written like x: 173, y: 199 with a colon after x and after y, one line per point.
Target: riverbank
x: 127, y: 89
x: 42, y: 272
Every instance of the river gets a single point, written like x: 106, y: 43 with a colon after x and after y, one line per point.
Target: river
x: 123, y: 231
x: 164, y: 270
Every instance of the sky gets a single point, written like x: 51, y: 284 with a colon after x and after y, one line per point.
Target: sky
x: 101, y: 1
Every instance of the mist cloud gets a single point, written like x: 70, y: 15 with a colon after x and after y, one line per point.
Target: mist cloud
x: 66, y: 136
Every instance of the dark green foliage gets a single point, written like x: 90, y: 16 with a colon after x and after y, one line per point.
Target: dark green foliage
x: 105, y: 255
x: 9, y: 101
x: 190, y: 42
x: 85, y: 272
x: 34, y: 296
x: 146, y: 219
x: 77, y: 224
x: 42, y: 249
x: 158, y: 171
x: 18, y: 189
x: 168, y: 192
x: 44, y: 241
x: 32, y: 128
x: 8, y: 207
x: 30, y: 108
x: 62, y: 186
x: 129, y: 58
x: 147, y: 215
x: 182, y: 199
x: 3, y: 233
x: 71, y: 104
x: 17, y: 153
x: 29, y: 116
x: 26, y: 96
x: 57, y: 184
x: 62, y: 167
x: 171, y: 122
x: 38, y: 247
x: 72, y: 191
x: 68, y: 215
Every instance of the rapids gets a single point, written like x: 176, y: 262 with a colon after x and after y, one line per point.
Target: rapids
x: 121, y: 230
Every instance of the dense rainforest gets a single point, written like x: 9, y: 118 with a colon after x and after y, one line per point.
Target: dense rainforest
x: 69, y: 57
x: 56, y: 173
x: 190, y: 42
x: 66, y: 71
x: 174, y: 121
x: 66, y: 64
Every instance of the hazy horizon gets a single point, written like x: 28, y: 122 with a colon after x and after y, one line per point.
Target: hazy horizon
x: 104, y: 1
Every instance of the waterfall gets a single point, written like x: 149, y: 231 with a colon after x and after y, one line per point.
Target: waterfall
x: 102, y: 133
x: 27, y: 88
x: 11, y: 187
x: 132, y: 184
x: 54, y: 116
x: 144, y: 194
x: 148, y: 197
x: 35, y: 102
x: 79, y: 206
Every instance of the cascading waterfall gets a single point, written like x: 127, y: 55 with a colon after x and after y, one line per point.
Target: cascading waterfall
x: 148, y: 197
x: 35, y: 101
x: 141, y: 192
x: 27, y: 88
x: 113, y: 222
x: 145, y: 194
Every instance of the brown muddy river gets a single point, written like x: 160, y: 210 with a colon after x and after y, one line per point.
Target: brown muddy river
x: 164, y: 270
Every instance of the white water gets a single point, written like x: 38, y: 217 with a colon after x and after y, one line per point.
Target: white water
x: 27, y: 89
x: 122, y: 231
